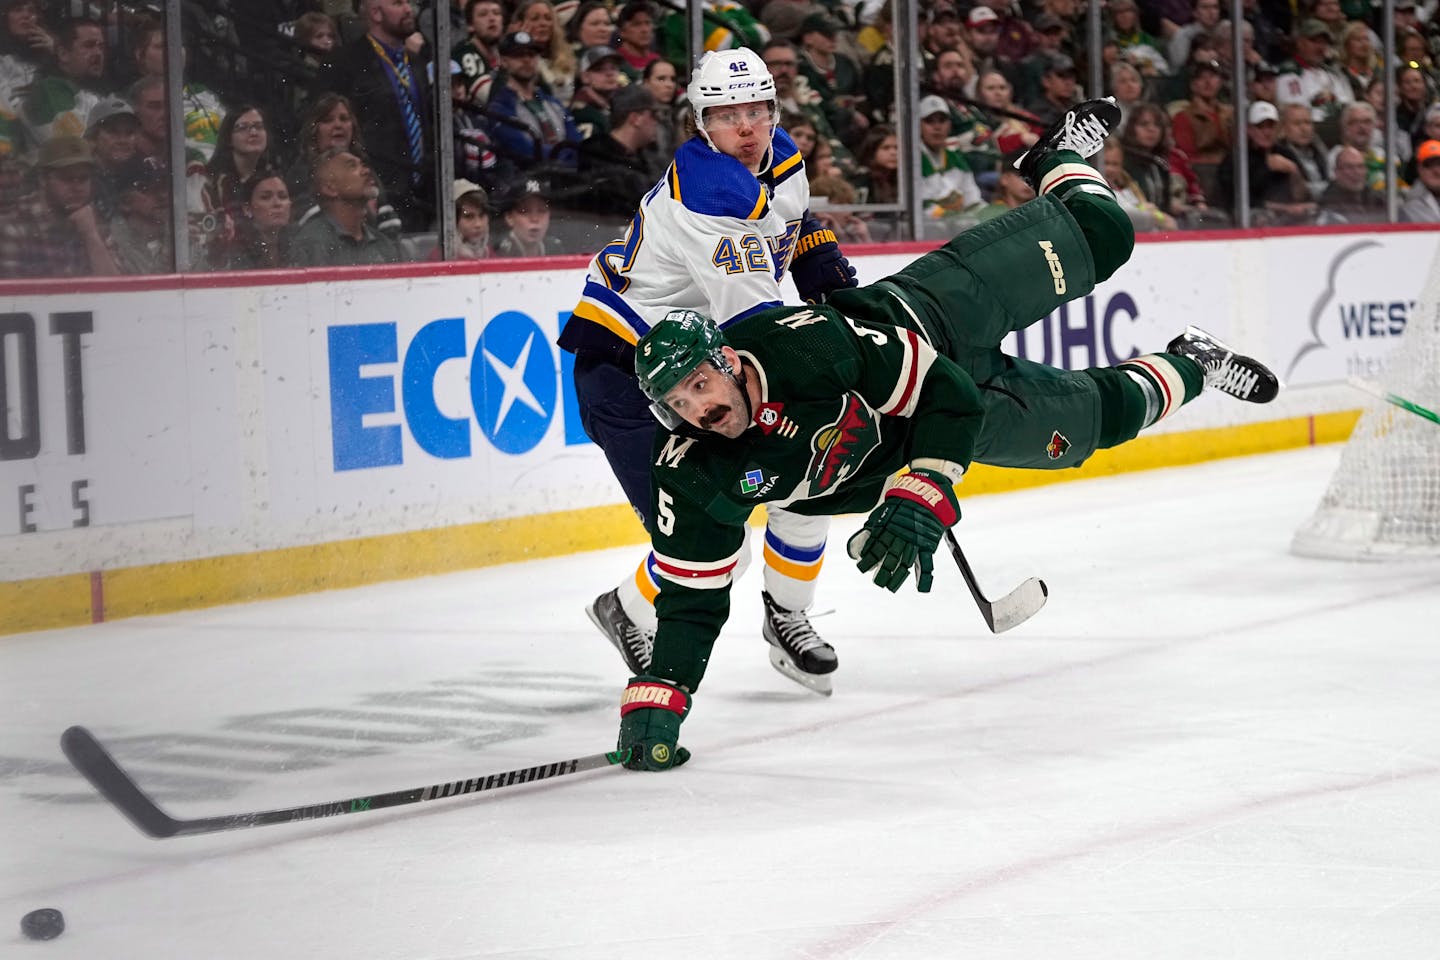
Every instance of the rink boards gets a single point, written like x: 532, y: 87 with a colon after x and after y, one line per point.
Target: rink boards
x: 178, y: 442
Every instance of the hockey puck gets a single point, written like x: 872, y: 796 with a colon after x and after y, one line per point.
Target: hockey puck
x: 46, y: 923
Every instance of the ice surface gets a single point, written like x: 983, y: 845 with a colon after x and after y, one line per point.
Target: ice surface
x: 1202, y: 747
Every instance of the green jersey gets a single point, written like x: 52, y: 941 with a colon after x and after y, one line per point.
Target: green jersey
x: 843, y: 406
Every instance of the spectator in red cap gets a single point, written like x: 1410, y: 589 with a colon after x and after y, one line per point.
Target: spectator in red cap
x: 1422, y: 201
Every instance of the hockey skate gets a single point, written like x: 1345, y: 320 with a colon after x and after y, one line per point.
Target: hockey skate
x: 796, y: 650
x: 1225, y: 370
x: 634, y: 644
x: 1083, y: 129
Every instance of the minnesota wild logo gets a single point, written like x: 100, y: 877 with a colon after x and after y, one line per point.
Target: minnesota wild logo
x: 841, y: 446
x: 1057, y: 446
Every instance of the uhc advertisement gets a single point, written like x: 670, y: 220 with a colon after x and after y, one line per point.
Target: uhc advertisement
x: 155, y: 425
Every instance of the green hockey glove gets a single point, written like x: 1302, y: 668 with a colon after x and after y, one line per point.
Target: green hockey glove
x: 904, y: 530
x: 650, y: 715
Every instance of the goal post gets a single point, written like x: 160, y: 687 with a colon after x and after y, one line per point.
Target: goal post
x: 1384, y: 499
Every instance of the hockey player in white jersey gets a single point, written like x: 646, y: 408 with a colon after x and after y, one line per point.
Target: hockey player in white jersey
x: 716, y: 233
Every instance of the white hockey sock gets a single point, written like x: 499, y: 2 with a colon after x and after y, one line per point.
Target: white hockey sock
x: 791, y: 569
x: 637, y: 595
x: 1160, y: 382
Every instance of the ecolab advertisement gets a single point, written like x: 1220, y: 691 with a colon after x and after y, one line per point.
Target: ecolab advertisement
x: 169, y: 424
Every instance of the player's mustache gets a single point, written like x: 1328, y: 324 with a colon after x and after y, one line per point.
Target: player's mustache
x: 715, y: 415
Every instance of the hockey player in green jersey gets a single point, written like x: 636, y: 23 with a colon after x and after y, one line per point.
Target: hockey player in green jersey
x: 878, y: 402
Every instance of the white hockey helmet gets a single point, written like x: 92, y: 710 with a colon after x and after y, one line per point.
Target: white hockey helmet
x: 729, y: 76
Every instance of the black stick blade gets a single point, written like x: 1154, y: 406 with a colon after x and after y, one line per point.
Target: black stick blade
x: 105, y: 775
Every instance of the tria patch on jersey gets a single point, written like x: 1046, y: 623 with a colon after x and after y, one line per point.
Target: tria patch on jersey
x: 770, y: 418
x: 841, y: 447
x: 1057, y: 446
x: 754, y: 482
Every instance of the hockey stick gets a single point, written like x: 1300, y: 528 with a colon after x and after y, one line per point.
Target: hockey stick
x: 115, y: 785
x: 1399, y: 401
x: 1011, y: 610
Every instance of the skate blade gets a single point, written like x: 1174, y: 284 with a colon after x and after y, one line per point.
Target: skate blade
x: 814, y: 682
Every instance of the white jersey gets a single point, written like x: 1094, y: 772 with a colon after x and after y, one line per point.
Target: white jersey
x: 710, y: 236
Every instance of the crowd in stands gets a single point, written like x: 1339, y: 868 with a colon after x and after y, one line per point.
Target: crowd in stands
x: 311, y: 125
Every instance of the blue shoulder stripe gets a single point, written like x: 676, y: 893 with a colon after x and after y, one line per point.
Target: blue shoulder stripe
x: 714, y: 184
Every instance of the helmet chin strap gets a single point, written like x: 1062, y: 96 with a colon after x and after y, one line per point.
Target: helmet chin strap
x: 737, y: 373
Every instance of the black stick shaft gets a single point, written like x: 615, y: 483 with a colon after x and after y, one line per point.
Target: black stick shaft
x: 107, y: 776
x: 968, y: 575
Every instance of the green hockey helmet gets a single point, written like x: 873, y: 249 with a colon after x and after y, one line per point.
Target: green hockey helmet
x: 670, y: 352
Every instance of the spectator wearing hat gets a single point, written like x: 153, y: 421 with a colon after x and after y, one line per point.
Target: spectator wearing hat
x: 1297, y: 134
x: 532, y: 126
x: 1017, y: 36
x: 1309, y: 79
x: 472, y: 223
x: 60, y: 98
x: 1264, y: 82
x: 595, y: 88
x: 526, y: 211
x: 389, y: 84
x: 636, y: 26
x: 557, y: 61
x: 617, y: 168
x: 1204, y: 17
x: 982, y: 35
x: 1136, y: 46
x: 341, y: 235
x: 25, y: 45
x: 971, y: 130
x: 947, y: 184
x: 1421, y: 203
x: 1051, y: 39
x: 140, y: 229
x: 1278, y: 194
x: 832, y: 75
x: 1058, y: 90
x: 1202, y: 126
x: 477, y: 159
x: 55, y: 232
x: 940, y: 30
x: 479, y: 53
x: 113, y: 132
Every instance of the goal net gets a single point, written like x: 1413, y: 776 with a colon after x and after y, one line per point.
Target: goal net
x: 1384, y: 500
